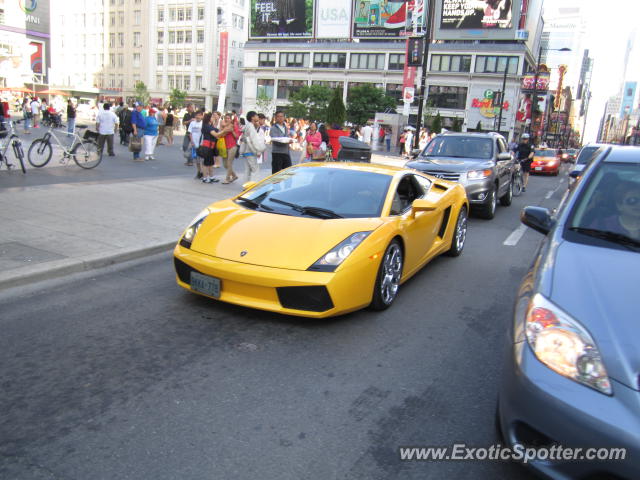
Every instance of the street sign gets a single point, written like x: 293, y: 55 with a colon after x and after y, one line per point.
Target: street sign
x: 409, y: 94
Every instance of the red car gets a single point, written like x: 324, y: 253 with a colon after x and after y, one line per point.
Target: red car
x: 546, y: 161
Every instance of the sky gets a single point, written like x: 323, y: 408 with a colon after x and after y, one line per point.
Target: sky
x: 609, y: 26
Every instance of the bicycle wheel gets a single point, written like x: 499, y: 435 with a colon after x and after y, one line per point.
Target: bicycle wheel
x: 39, y: 153
x: 86, y: 154
x: 18, y: 151
x: 517, y: 184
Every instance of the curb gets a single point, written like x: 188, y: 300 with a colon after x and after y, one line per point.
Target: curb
x: 60, y: 268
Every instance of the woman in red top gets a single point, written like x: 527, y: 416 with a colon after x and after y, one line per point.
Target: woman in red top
x: 231, y: 142
x: 313, y: 139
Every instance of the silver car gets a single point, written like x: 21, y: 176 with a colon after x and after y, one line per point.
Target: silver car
x: 481, y: 162
x: 571, y: 374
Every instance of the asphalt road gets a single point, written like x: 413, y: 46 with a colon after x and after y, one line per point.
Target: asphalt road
x: 120, y: 374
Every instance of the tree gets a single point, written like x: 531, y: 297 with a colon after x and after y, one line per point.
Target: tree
x: 436, y: 126
x: 363, y: 102
x: 310, y: 103
x: 479, y: 126
x: 141, y: 92
x: 177, y: 97
x: 457, y: 125
x: 336, y: 112
x: 265, y: 104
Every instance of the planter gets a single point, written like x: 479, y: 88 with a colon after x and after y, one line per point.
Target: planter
x: 334, y: 140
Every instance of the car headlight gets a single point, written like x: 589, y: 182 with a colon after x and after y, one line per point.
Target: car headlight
x: 479, y: 174
x: 564, y: 345
x: 192, y: 229
x: 338, y: 254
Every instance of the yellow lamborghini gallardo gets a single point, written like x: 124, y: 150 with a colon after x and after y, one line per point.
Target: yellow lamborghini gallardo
x: 322, y: 239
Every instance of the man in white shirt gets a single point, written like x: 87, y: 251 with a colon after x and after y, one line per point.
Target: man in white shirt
x: 367, y: 133
x: 194, y: 132
x: 253, y: 143
x: 35, y: 111
x: 106, y: 122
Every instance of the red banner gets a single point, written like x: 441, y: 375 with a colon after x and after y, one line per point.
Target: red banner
x: 409, y: 75
x: 224, y: 57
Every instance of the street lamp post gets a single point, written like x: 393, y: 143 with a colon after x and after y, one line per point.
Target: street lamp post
x: 423, y: 77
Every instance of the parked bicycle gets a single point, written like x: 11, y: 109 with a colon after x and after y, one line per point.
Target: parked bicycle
x: 83, y: 150
x: 10, y: 137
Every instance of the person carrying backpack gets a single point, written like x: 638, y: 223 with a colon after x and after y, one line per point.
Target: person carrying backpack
x: 126, y: 129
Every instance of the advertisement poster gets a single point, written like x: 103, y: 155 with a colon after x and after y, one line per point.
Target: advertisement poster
x: 281, y: 19
x: 626, y: 107
x: 529, y: 79
x: 382, y: 18
x: 476, y: 14
x: 333, y: 19
x: 224, y: 58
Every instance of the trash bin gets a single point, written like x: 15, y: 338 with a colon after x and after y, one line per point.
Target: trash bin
x: 352, y: 150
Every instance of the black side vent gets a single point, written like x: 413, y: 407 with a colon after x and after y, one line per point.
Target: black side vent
x: 442, y: 188
x: 183, y: 270
x: 313, y: 299
x: 445, y: 222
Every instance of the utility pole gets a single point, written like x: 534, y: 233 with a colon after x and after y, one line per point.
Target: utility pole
x: 428, y: 9
x: 502, y: 95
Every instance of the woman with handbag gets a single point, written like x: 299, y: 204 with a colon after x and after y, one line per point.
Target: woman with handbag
x: 231, y: 143
x: 207, y: 149
x: 150, y: 136
x: 313, y: 139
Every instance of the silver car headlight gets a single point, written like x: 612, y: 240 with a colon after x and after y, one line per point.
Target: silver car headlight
x: 479, y: 174
x: 565, y: 346
x: 190, y: 233
x: 338, y: 254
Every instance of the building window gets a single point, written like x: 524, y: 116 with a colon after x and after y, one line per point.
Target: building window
x: 199, y: 59
x: 112, y: 19
x: 200, y: 36
x: 267, y: 59
x: 121, y: 60
x: 161, y: 14
x: 172, y: 14
x: 172, y: 37
x: 286, y: 88
x: 2, y: 17
x: 160, y: 36
x: 294, y: 60
x: 232, y: 62
x: 112, y: 59
x: 186, y: 83
x: 395, y: 90
x: 234, y: 85
x: 180, y: 15
x: 265, y: 88
x: 188, y: 36
x: 188, y: 14
x: 448, y: 97
x: 450, y: 63
x: 172, y: 81
x: 187, y: 59
x: 179, y: 36
x: 493, y: 64
x: 121, y: 18
x: 136, y: 39
x: 159, y: 59
x: 367, y: 61
x: 158, y: 81
x: 178, y: 59
x: 137, y: 17
x: 239, y: 63
x: 199, y: 82
x: 329, y: 60
x: 136, y: 60
x: 171, y: 59
x: 329, y: 84
x: 200, y: 13
x: 396, y: 61
x: 121, y: 39
x: 237, y: 21
x: 112, y: 40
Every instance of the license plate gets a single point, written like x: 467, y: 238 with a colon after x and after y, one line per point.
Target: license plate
x: 205, y: 284
x: 538, y: 168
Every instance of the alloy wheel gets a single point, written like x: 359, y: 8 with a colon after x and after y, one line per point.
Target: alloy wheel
x: 391, y: 273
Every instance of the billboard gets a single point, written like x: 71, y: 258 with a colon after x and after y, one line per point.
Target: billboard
x: 476, y: 14
x: 333, y: 19
x: 528, y: 79
x: 281, y: 19
x: 382, y: 18
x: 629, y: 94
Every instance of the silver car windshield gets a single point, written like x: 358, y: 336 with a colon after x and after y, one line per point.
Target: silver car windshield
x: 609, y: 207
x: 460, y: 147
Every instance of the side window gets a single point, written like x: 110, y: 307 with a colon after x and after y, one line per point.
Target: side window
x: 501, y: 146
x: 407, y: 191
x: 424, y: 183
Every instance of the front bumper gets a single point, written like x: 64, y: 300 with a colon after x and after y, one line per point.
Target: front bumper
x: 478, y: 190
x: 540, y: 407
x: 326, y: 294
x: 545, y: 168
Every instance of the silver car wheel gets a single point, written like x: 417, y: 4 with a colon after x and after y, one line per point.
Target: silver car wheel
x: 391, y: 273
x: 461, y: 230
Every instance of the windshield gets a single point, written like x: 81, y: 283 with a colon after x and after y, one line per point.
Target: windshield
x: 585, y: 155
x: 320, y: 192
x: 545, y: 153
x: 459, y: 147
x: 609, y: 207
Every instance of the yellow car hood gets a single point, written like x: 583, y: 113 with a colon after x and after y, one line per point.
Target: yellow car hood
x: 242, y: 235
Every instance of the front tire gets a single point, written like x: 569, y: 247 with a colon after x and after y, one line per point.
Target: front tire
x: 18, y: 151
x: 459, y: 234
x: 387, y: 284
x: 86, y: 155
x: 39, y: 153
x: 507, y: 198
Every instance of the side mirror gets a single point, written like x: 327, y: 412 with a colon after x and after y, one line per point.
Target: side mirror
x: 422, y: 205
x: 415, y: 152
x: 575, y: 174
x: 248, y: 185
x: 504, y: 156
x: 537, y: 218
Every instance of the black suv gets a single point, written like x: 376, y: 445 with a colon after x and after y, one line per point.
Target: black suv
x: 481, y: 162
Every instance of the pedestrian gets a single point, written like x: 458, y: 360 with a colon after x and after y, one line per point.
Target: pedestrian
x: 216, y: 122
x: 161, y: 117
x: 138, y: 125
x: 71, y: 118
x: 262, y: 133
x: 401, y: 140
x: 35, y: 112
x: 231, y: 142
x: 253, y: 143
x: 387, y: 138
x: 525, y: 157
x: 194, y: 132
x: 168, y: 126
x: 408, y: 143
x: 313, y: 139
x: 210, y: 135
x: 188, y: 117
x: 324, y: 146
x: 150, y: 136
x: 125, y: 125
x: 280, y: 140
x: 106, y: 123
x: 26, y: 114
x: 367, y: 133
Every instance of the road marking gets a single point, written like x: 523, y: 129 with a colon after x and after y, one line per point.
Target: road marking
x: 513, y: 239
x: 550, y: 194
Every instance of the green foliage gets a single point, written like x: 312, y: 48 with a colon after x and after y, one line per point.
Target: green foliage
x: 177, y: 97
x: 265, y: 103
x: 310, y: 103
x: 141, y: 92
x: 364, y: 101
x: 336, y: 112
x: 436, y: 125
x: 457, y: 125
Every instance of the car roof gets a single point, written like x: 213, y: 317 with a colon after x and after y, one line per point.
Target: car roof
x: 623, y: 154
x: 472, y: 134
x: 365, y: 167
